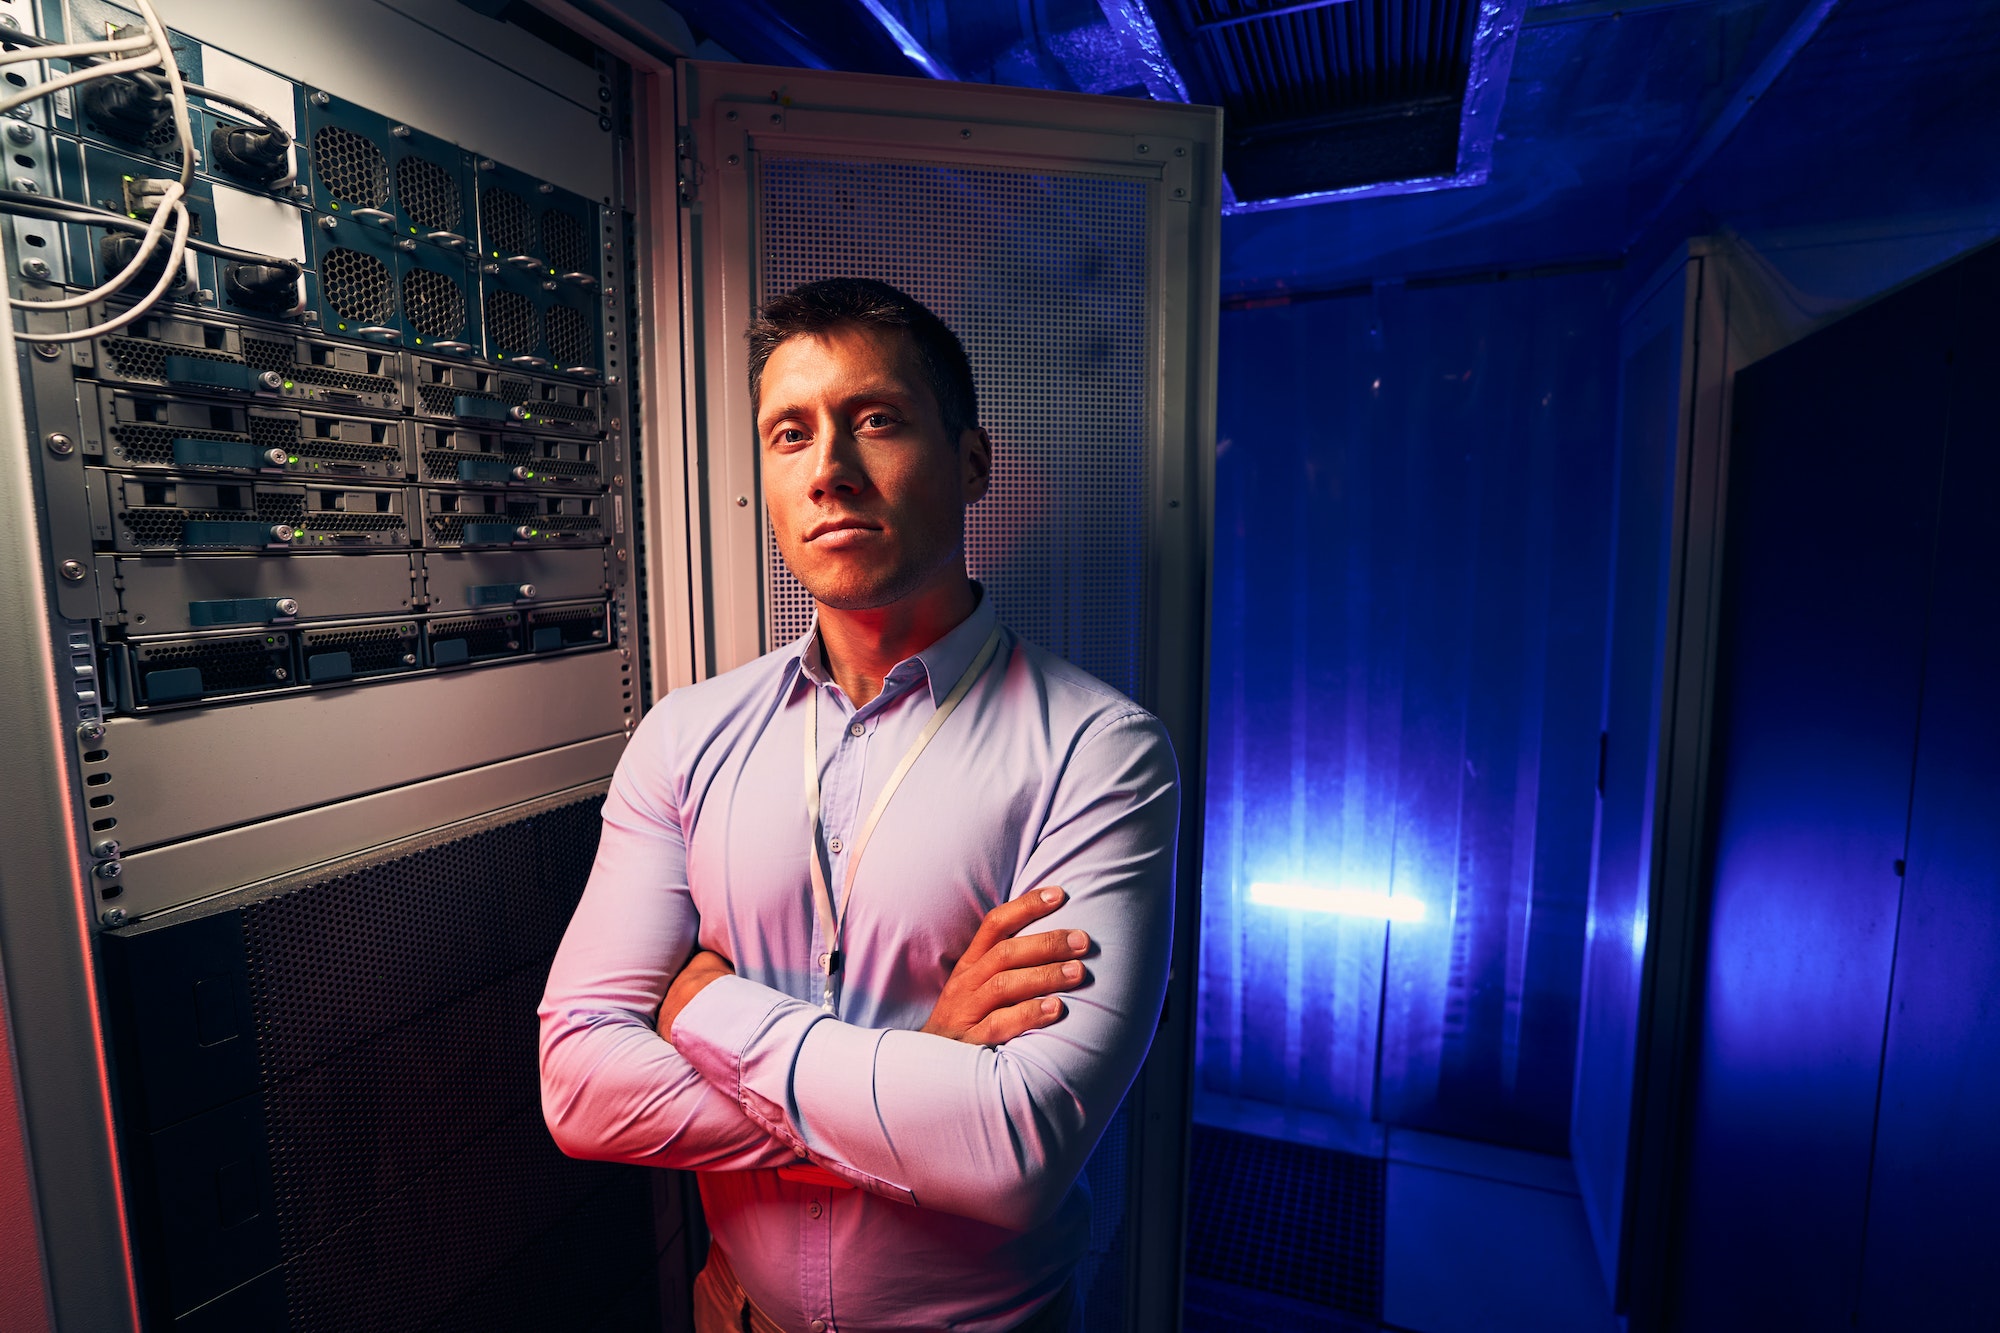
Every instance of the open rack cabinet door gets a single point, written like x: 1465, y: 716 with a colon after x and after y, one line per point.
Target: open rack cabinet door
x: 1071, y: 242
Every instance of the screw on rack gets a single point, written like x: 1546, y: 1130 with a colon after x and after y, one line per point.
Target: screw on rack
x: 90, y: 732
x: 20, y: 134
x: 74, y: 571
x: 113, y: 917
x: 35, y: 268
x: 61, y: 445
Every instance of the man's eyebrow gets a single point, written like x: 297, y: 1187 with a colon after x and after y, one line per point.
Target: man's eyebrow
x: 772, y: 416
x: 866, y: 392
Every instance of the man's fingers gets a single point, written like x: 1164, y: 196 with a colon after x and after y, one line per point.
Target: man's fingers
x: 1023, y: 983
x: 1010, y: 919
x: 1048, y: 946
x: 1004, y: 1025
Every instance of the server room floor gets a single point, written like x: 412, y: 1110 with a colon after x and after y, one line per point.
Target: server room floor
x: 1412, y: 1233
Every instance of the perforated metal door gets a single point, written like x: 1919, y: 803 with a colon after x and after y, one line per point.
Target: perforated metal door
x: 1072, y: 244
x: 1043, y: 276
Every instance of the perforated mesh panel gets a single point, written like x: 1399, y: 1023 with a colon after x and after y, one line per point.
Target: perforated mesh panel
x: 565, y: 242
x: 1044, y: 278
x: 504, y: 220
x: 428, y: 194
x: 350, y: 167
x: 510, y: 322
x: 570, y: 341
x: 434, y: 304
x: 357, y: 285
x: 394, y: 1008
x: 1297, y: 1222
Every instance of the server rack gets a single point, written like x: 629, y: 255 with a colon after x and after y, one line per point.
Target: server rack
x: 333, y: 631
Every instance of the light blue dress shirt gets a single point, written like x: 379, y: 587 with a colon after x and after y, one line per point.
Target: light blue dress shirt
x: 968, y: 1211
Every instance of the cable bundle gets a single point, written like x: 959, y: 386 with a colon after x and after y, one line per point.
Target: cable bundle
x: 146, y: 56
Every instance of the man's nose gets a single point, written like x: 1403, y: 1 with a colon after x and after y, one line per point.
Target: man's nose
x: 836, y: 466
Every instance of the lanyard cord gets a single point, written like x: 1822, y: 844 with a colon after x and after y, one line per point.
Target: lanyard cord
x: 829, y: 922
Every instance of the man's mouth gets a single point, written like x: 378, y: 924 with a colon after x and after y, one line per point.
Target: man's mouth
x: 834, y: 527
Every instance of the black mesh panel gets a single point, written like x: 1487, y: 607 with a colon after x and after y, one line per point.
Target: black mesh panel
x: 415, y: 1184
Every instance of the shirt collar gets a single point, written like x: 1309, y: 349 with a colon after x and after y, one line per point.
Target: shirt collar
x: 941, y: 664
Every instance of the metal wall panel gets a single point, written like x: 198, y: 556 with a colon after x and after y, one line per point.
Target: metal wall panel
x: 1835, y: 454
x: 1411, y: 566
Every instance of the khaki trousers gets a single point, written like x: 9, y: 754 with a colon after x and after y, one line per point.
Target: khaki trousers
x: 721, y: 1307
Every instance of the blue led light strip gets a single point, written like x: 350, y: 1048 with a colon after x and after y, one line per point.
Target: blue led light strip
x: 1340, y: 902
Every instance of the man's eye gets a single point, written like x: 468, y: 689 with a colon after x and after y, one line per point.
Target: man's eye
x: 791, y: 435
x: 878, y: 420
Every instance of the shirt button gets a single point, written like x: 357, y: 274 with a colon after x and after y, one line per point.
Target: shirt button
x: 819, y: 1326
x: 857, y: 730
x: 812, y: 1210
x: 834, y: 846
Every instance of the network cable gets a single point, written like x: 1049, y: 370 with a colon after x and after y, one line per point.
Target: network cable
x: 172, y: 204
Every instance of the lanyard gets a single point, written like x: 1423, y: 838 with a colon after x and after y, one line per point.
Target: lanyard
x: 829, y: 921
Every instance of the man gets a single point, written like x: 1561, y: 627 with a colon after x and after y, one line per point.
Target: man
x: 866, y: 1058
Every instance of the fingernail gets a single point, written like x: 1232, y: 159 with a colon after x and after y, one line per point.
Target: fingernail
x: 1050, y: 1008
x: 1079, y: 941
x: 1073, y: 971
x: 1051, y: 895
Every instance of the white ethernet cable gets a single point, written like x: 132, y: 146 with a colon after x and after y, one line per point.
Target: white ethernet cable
x: 172, y: 204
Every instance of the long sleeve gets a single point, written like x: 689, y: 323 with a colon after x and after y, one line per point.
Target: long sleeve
x: 994, y: 1134
x: 611, y: 1088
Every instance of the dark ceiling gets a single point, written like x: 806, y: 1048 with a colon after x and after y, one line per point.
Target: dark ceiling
x: 1622, y: 120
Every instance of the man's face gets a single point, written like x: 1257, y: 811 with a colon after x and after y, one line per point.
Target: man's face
x: 866, y: 493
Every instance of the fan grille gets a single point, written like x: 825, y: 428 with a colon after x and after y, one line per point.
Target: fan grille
x: 357, y: 285
x: 433, y: 303
x: 428, y: 194
x: 350, y: 167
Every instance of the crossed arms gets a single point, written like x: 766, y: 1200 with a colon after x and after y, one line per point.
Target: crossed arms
x: 755, y: 1078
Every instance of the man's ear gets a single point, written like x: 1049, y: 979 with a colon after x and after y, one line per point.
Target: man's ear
x: 975, y: 451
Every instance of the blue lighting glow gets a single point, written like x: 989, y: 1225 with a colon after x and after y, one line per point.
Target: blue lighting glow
x: 1340, y: 902
x: 908, y: 44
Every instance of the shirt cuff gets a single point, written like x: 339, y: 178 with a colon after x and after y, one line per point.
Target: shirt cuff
x: 717, y: 1029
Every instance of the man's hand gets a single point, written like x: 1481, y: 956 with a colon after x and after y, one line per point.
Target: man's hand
x: 1006, y: 982
x: 699, y: 970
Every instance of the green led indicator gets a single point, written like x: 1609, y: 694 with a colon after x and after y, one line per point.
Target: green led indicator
x: 294, y: 458
x: 413, y: 231
x: 288, y: 384
x: 333, y: 204
x: 420, y: 342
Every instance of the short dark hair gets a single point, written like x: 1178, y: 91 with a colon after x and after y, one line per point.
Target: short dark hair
x: 815, y: 307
